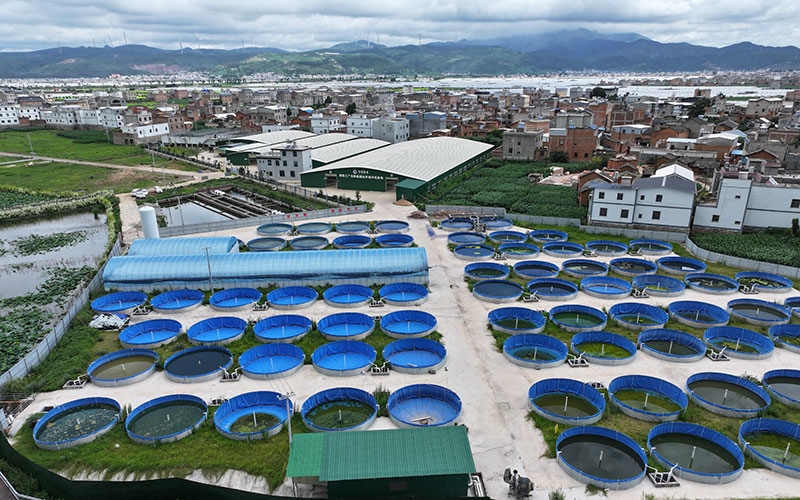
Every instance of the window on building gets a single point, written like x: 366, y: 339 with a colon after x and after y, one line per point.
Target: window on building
x: 603, y: 212
x: 641, y: 197
x: 795, y: 203
x: 624, y: 213
x: 737, y: 197
x: 285, y: 164
x: 715, y: 218
x: 601, y: 195
x: 585, y: 155
x: 656, y: 215
x: 295, y: 163
x: 510, y: 150
x: 575, y: 155
x: 282, y: 173
x: 640, y: 216
x: 292, y: 173
x: 294, y: 153
x: 737, y: 222
x: 620, y: 196
x: 659, y: 197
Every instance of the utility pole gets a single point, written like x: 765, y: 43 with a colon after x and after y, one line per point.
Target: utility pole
x: 285, y: 397
x: 210, y: 279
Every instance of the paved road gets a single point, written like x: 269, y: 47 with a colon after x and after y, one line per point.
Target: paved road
x: 144, y: 168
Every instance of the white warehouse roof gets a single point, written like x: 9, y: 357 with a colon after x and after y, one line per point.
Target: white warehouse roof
x: 346, y: 149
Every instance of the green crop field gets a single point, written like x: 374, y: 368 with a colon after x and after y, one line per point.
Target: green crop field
x: 777, y: 248
x: 54, y: 176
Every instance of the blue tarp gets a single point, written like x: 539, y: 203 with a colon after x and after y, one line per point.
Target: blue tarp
x: 588, y: 430
x: 536, y: 269
x: 271, y: 359
x: 414, y: 353
x: 676, y: 336
x: 521, y: 313
x: 474, y: 252
x: 554, y: 350
x: 783, y: 398
x: 578, y: 309
x: 730, y: 379
x: 177, y: 299
x: 343, y: 355
x: 184, y: 246
x: 146, y: 333
x: 124, y: 353
x: 403, y: 292
x: 547, y: 235
x: 569, y: 387
x: 658, y: 316
x: 654, y: 282
x: 423, y: 405
x: 132, y: 416
x: 346, y: 325
x: 234, y: 297
x: 338, y: 395
x: 470, y: 269
x: 790, y: 331
x: 292, y: 295
x: 352, y: 241
x: 281, y: 327
x: 118, y: 302
x: 701, y: 313
x: 58, y: 410
x: 681, y: 265
x: 757, y: 426
x: 552, y: 287
x: 762, y: 344
x: 394, y: 240
x: 792, y: 302
x: 692, y: 279
x: 347, y: 294
x: 248, y: 403
x: 606, y: 286
x: 603, y: 338
x: 216, y: 329
x: 651, y: 385
x: 198, y: 349
x: 784, y: 313
x: 785, y: 283
x: 697, y: 431
x: 497, y: 289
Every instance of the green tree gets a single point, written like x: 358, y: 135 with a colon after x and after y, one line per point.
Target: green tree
x: 699, y: 107
x: 351, y: 108
x: 328, y: 100
x: 558, y: 157
x: 598, y: 92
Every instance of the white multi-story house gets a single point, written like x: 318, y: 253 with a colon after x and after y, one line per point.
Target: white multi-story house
x: 112, y: 116
x: 285, y: 162
x: 743, y: 203
x: 360, y: 125
x: 87, y: 117
x: 138, y: 134
x: 9, y: 115
x: 30, y: 113
x: 391, y: 129
x: 61, y: 116
x: 322, y: 124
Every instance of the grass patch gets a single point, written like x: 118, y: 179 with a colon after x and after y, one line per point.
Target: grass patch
x: 53, y: 176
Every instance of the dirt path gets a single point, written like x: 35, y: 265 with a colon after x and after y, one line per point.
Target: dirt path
x: 147, y: 168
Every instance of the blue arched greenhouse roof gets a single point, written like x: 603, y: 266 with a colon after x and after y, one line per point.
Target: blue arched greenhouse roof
x: 184, y: 246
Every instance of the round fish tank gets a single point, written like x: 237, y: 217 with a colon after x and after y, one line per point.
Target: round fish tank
x: 698, y: 314
x: 498, y: 237
x: 408, y: 324
x: 650, y: 247
x: 352, y: 241
x: 403, y: 294
x: 786, y: 336
x: 548, y: 235
x: 252, y: 415
x: 309, y: 243
x: 578, y: 318
x: 465, y: 238
x: 198, y: 364
x: 452, y: 225
x: 681, y: 265
x: 314, y: 228
x: 727, y: 395
x: 166, y: 419
x: 531, y: 269
x: 220, y: 330
x: 150, y: 334
x: 347, y: 295
x: 646, y: 398
x: 658, y: 285
x: 672, y: 345
x: 566, y: 401
x: 606, y: 287
x: 715, y: 284
x: 486, y: 270
x: 793, y: 303
x: 352, y: 227
x: 497, y: 291
x: 343, y: 358
x: 601, y: 457
x: 603, y: 348
x: 346, y: 326
x: 75, y: 423
x: 534, y: 350
x: 391, y: 226
x: 514, y: 320
x: 695, y: 453
x: 739, y: 342
x: 607, y: 248
x: 562, y: 249
x: 493, y: 223
x: 121, y: 368
x: 759, y: 312
x: 234, y: 299
x: 764, y: 282
x: 415, y: 356
x: 518, y: 251
x: 423, y: 405
x: 292, y: 297
x: 275, y: 229
x: 270, y: 361
x: 772, y: 443
x: 394, y: 240
x: 119, y: 302
x: 582, y: 268
x: 636, y: 316
x: 282, y: 328
x: 783, y: 386
x: 552, y: 289
x: 473, y: 252
x: 339, y: 409
x: 177, y: 301
x: 630, y: 267
x: 266, y: 244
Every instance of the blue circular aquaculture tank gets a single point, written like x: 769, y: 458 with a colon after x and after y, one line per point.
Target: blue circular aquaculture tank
x: 343, y: 358
x: 606, y: 287
x: 783, y: 386
x: 629, y: 266
x: 563, y: 249
x: 566, y: 401
x: 346, y: 326
x: 650, y: 247
x: 391, y: 226
x: 607, y: 248
x: 715, y: 284
x: 497, y: 291
x: 552, y: 289
x: 403, y: 294
x: 758, y: 438
x: 177, y: 301
x: 658, y: 285
x: 456, y: 224
x: 150, y: 334
x: 423, y: 405
x: 698, y: 314
x: 339, y: 409
x: 266, y: 244
x: 759, y: 312
x: 465, y: 238
x: 219, y: 330
x: 282, y: 328
x: 352, y: 227
x: 727, y: 395
x: 198, y: 364
x: 408, y: 324
x: 75, y: 423
x: 347, y: 295
x: 647, y: 398
x: 269, y: 361
x: 486, y: 270
x: 739, y: 342
x: 415, y: 356
x: 638, y: 316
x: 582, y: 268
x: 314, y: 228
x: 764, y: 282
x: 601, y: 457
x: 603, y: 348
x: 494, y: 223
x: 309, y: 243
x: 548, y: 235
x: 517, y: 251
x: 530, y: 269
x: 275, y: 229
x: 119, y: 302
x: 514, y: 320
x: 252, y: 415
x: 498, y: 237
x: 793, y: 303
x: 352, y: 241
x: 166, y: 419
x: 786, y: 336
x: 672, y: 345
x: 121, y: 368
x: 234, y: 299
x: 473, y: 252
x: 394, y: 240
x: 535, y: 350
x: 292, y: 297
x: 578, y: 318
x: 681, y: 265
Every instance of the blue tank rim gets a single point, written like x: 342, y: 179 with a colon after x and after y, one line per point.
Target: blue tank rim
x: 607, y: 433
x: 98, y: 304
x: 621, y: 246
x: 451, y: 397
x: 474, y: 245
x: 426, y: 344
x: 537, y: 340
x: 697, y: 431
x: 534, y: 235
x: 508, y: 232
x: 241, y: 323
x: 597, y: 313
x: 366, y: 350
x: 191, y: 350
x: 554, y: 268
x: 352, y: 240
x: 360, y: 290
x: 646, y: 280
x: 692, y: 342
x: 733, y: 380
x: 783, y: 372
x: 363, y: 226
x: 328, y: 227
x: 394, y: 239
x: 504, y: 248
x: 656, y: 313
x: 573, y: 288
x: 285, y: 228
x: 614, y: 339
x: 229, y: 403
x: 614, y: 264
x: 681, y: 306
x: 122, y: 353
x: 253, y: 294
x: 420, y: 289
x: 773, y: 426
x: 570, y: 247
x: 726, y: 279
x: 646, y: 241
x: 620, y: 285
x: 763, y: 303
x: 784, y: 281
x: 675, y: 393
x: 753, y: 338
x: 160, y: 400
x: 354, y: 393
x: 538, y: 318
x: 193, y: 294
x: 258, y: 330
x: 279, y: 243
x: 601, y: 265
x: 175, y: 327
x: 349, y: 317
x: 312, y: 295
x: 576, y: 387
x: 75, y: 403
x: 465, y: 233
x: 695, y: 263
x: 386, y: 319
x: 792, y: 330
x: 498, y: 281
x: 269, y: 349
x: 306, y: 238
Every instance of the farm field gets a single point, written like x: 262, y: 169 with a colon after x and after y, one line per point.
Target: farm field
x: 783, y: 248
x: 53, y: 176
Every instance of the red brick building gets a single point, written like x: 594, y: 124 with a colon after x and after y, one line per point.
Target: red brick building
x: 578, y: 143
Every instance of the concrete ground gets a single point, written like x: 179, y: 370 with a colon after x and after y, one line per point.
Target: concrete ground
x: 493, y: 391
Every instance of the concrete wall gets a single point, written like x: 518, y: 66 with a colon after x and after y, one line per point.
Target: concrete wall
x: 771, y: 206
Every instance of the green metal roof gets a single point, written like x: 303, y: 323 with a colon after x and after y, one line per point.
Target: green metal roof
x: 411, y: 184
x: 305, y: 458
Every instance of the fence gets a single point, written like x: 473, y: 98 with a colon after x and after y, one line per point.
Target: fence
x: 548, y: 221
x: 432, y: 209
x: 185, y: 159
x: 43, y: 348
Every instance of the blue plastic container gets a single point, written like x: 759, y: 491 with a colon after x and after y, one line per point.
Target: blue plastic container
x: 269, y: 361
x: 282, y: 328
x: 423, y: 405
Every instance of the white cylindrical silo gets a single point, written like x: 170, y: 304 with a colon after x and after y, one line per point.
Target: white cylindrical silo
x: 149, y: 222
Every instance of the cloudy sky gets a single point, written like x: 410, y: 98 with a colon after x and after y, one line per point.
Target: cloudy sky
x: 311, y: 24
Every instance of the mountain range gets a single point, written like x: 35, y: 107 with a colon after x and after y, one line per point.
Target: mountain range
x: 574, y: 50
